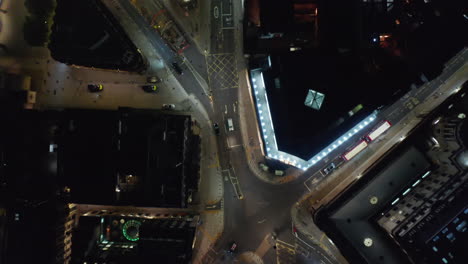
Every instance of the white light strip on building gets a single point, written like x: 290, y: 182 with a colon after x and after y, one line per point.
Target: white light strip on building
x: 407, y: 191
x: 269, y: 137
x: 426, y: 174
x: 416, y: 183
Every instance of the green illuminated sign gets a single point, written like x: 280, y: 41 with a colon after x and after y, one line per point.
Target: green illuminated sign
x: 130, y: 230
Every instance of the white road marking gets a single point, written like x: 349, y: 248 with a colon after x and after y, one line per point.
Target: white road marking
x: 234, y: 146
x: 216, y: 12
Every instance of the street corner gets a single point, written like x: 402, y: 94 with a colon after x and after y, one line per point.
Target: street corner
x: 266, y: 174
x: 289, y: 177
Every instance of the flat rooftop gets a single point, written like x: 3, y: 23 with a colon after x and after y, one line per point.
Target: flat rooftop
x: 364, y: 59
x: 94, y: 40
x: 410, y: 206
x: 126, y: 239
x: 126, y: 157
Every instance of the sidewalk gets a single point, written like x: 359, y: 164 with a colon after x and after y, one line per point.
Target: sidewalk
x: 310, y: 234
x: 249, y: 257
x: 211, y: 188
x: 196, y: 25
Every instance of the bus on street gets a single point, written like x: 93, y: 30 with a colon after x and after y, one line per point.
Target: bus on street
x: 355, y: 150
x: 379, y: 130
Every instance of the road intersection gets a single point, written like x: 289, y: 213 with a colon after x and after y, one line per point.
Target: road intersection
x: 238, y: 201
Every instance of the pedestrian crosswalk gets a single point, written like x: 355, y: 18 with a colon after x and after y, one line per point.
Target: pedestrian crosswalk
x: 285, y: 252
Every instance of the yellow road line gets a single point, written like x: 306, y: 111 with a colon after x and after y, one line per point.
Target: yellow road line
x: 284, y: 243
x: 323, y: 235
x: 216, y: 163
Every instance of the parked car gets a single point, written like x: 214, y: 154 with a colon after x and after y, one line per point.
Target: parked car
x: 149, y: 88
x: 168, y: 106
x: 177, y: 68
x: 95, y: 88
x: 216, y: 128
x: 153, y: 79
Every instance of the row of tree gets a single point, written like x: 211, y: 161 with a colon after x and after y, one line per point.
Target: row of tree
x: 37, y: 27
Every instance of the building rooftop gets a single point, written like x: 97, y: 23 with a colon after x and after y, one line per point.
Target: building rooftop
x: 409, y: 207
x: 125, y: 239
x: 95, y: 40
x: 128, y: 157
x: 368, y: 55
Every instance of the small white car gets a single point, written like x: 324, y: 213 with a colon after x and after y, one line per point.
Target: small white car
x: 153, y: 79
x: 230, y: 124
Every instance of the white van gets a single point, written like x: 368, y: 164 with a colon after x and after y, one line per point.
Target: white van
x: 230, y: 124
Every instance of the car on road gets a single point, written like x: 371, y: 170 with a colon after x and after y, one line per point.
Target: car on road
x: 177, y: 68
x: 233, y: 247
x: 329, y: 168
x: 168, y: 106
x: 149, y: 88
x: 230, y: 124
x: 216, y: 128
x: 153, y: 79
x: 95, y: 88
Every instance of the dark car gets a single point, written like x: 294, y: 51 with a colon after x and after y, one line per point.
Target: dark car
x: 216, y: 128
x: 329, y: 169
x: 95, y: 88
x: 177, y: 68
x: 168, y: 106
x: 149, y: 88
x: 233, y: 247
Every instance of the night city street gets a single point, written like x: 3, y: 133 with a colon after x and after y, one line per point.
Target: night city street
x: 233, y: 131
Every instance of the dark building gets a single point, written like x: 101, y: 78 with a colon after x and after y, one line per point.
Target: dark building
x: 15, y: 91
x: 49, y: 158
x: 133, y: 238
x: 127, y: 157
x: 280, y: 26
x: 367, y: 55
x: 410, y: 207
x: 94, y: 40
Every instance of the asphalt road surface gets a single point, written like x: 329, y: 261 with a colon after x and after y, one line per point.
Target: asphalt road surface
x: 265, y: 208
